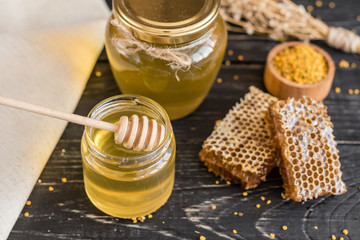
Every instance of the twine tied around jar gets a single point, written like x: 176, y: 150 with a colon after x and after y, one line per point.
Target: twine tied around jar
x: 175, y: 56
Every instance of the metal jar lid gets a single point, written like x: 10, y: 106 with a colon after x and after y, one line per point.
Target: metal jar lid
x: 167, y: 21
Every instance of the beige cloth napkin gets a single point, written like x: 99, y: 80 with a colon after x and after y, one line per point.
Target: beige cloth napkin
x: 47, y: 51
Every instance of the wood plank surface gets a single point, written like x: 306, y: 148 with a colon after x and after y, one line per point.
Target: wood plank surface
x: 67, y: 213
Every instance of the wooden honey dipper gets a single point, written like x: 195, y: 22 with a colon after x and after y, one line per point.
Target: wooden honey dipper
x: 139, y: 134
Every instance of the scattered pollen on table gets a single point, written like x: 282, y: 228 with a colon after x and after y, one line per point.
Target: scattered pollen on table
x: 141, y: 219
x: 353, y: 65
x: 356, y: 91
x: 341, y: 238
x: 228, y: 182
x: 268, y: 201
x: 350, y: 91
x: 316, y: 227
x: 213, y: 207
x: 333, y: 237
x: 344, y: 64
x: 63, y: 152
x: 28, y: 202
x: 240, y: 214
x: 197, y: 232
x: 240, y: 57
x: 150, y: 216
x: 310, y: 8
x: 202, y: 238
x: 26, y: 214
x: 272, y: 235
x: 236, y: 213
x: 284, y: 227
x: 134, y: 221
x: 234, y: 231
x: 318, y: 3
x: 219, y: 80
x: 262, y: 198
x: 257, y: 205
x: 230, y: 52
x: 217, y: 182
x: 331, y: 5
x: 345, y: 231
x: 64, y: 180
x: 39, y: 181
x: 98, y: 74
x: 227, y: 62
x: 236, y: 77
x: 358, y: 18
x: 337, y: 90
x: 244, y: 194
x: 51, y: 189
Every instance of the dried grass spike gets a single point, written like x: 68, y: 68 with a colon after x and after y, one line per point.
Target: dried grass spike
x: 282, y: 20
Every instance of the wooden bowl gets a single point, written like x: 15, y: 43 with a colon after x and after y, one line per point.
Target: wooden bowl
x: 282, y: 88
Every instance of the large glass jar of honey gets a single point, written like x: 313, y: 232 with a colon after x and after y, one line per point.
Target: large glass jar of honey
x: 169, y: 51
x: 123, y: 182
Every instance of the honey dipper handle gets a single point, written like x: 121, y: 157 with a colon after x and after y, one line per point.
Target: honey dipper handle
x: 74, y: 118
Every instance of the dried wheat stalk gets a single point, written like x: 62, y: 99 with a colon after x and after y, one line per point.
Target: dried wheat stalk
x: 281, y: 19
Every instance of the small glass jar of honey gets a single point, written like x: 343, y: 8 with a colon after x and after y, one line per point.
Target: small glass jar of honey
x: 123, y: 182
x: 169, y: 51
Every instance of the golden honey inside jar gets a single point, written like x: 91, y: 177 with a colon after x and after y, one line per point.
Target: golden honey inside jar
x: 123, y: 182
x: 169, y: 51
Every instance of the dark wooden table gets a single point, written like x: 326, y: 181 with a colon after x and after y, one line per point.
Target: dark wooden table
x: 66, y: 212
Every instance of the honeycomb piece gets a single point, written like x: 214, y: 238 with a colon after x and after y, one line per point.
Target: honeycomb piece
x: 310, y: 165
x: 240, y: 148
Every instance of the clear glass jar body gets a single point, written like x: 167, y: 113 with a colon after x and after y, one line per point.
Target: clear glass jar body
x: 180, y: 92
x: 122, y: 182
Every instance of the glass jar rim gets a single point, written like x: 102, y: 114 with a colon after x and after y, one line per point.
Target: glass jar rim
x: 163, y: 32
x: 106, y: 106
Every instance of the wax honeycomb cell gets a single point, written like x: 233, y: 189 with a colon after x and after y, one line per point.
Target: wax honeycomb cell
x: 310, y: 165
x: 240, y: 148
